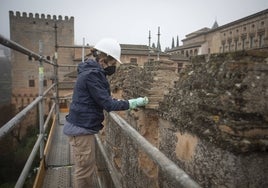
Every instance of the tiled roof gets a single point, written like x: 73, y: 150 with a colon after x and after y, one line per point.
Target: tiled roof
x: 66, y: 85
x: 198, y: 32
x: 72, y: 74
x: 193, y: 45
x: 135, y: 49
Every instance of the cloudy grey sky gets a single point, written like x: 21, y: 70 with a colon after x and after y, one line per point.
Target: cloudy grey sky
x: 129, y: 21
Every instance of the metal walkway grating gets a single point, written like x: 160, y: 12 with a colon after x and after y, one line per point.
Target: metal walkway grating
x: 59, y: 173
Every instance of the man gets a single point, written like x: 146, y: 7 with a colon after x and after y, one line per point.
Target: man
x: 91, y: 96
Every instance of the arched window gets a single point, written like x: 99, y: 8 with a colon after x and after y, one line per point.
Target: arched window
x: 191, y: 52
x: 261, y: 40
x: 223, y: 46
x: 243, y: 41
x: 251, y: 41
x: 229, y: 44
x: 195, y: 52
x: 236, y: 43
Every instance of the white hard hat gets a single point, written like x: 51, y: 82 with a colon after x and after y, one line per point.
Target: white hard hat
x: 110, y: 47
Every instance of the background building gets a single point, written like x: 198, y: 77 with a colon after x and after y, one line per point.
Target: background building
x: 250, y: 32
x: 42, y: 34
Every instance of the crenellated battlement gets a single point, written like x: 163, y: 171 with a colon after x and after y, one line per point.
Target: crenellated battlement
x: 40, y: 16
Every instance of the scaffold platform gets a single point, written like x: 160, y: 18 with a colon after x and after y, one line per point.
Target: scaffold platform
x: 60, y: 164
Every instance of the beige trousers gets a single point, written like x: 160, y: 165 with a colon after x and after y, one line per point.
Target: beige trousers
x: 84, y: 160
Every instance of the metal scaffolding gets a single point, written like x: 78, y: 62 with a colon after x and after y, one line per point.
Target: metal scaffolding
x: 5, y: 129
x: 159, y: 158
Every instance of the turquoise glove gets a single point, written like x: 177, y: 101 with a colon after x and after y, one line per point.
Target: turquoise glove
x: 134, y: 103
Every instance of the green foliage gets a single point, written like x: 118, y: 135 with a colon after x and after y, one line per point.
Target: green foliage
x: 24, y: 148
x: 7, y: 111
x: 7, y: 185
x: 13, y: 156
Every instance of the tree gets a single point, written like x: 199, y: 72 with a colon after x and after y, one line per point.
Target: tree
x: 167, y: 48
x: 172, y: 45
x: 178, y: 43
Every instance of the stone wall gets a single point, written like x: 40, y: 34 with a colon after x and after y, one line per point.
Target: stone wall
x: 217, y: 117
x: 212, y: 121
x: 27, y: 30
x: 224, y: 100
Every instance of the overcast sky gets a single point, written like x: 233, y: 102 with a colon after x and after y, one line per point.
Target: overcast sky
x: 129, y: 21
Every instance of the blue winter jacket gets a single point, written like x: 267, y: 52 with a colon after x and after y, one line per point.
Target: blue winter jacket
x: 91, y: 96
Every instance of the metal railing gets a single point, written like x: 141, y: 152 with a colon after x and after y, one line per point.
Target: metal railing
x: 168, y: 166
x: 158, y: 157
x: 10, y: 125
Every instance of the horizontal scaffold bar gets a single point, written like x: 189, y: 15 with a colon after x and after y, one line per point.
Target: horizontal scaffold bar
x: 15, y: 46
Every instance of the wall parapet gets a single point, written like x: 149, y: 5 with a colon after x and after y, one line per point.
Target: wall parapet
x: 212, y: 123
x: 37, y: 16
x: 216, y: 99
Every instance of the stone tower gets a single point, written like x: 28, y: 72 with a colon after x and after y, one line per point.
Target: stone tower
x: 28, y: 30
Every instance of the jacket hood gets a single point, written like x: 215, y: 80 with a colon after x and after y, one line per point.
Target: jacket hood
x: 87, y: 65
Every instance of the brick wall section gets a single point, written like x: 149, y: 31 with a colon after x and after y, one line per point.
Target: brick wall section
x: 212, y: 122
x: 28, y: 30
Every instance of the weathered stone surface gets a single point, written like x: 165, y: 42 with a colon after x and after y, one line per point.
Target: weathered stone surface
x: 223, y: 100
x: 209, y: 165
x: 212, y: 122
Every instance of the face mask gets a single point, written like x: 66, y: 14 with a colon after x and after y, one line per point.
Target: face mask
x: 110, y: 70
